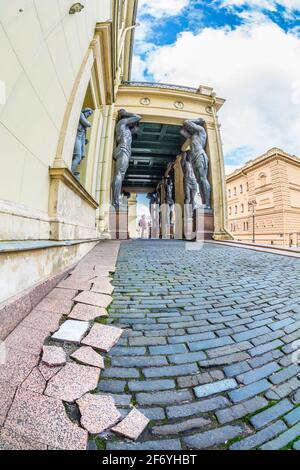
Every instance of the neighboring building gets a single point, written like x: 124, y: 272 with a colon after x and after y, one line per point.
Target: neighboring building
x: 271, y: 184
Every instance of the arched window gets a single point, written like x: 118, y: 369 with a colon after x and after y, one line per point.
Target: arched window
x: 230, y: 210
x: 236, y: 209
x: 242, y: 208
x: 241, y: 189
x: 234, y: 191
x: 262, y: 178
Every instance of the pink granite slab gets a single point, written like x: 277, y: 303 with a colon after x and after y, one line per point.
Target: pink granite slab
x: 13, y: 441
x: 43, y: 419
x: 102, y: 286
x: 98, y: 412
x: 86, y: 312
x: 48, y: 372
x: 102, y: 337
x: 132, y: 425
x: 54, y: 356
x: 35, y: 381
x: 73, y: 381
x: 62, y: 307
x: 40, y: 320
x: 104, y: 270
x: 17, y: 367
x: 93, y: 298
x: 77, y: 284
x: 6, y: 398
x: 62, y: 294
x: 26, y: 339
x: 88, y: 356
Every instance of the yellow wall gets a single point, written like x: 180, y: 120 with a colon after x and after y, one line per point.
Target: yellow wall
x: 42, y: 49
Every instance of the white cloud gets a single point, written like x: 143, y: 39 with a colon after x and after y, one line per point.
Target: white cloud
x: 256, y: 68
x: 270, y: 5
x: 160, y: 8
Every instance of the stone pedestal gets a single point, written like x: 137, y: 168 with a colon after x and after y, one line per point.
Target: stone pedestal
x: 199, y: 225
x: 118, y: 223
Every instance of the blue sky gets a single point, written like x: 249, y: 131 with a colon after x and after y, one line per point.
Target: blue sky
x: 248, y: 51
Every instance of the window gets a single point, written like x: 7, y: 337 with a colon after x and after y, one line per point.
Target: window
x: 234, y: 191
x: 242, y: 208
x: 262, y: 178
x: 247, y: 186
x: 229, y: 192
x: 241, y: 189
x: 236, y: 209
x: 230, y: 210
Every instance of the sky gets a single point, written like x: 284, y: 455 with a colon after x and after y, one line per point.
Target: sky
x: 248, y: 51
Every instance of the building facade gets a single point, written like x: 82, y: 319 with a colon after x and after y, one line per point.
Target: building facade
x: 264, y: 199
x: 57, y: 63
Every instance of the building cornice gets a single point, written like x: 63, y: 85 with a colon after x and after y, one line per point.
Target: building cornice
x: 272, y: 154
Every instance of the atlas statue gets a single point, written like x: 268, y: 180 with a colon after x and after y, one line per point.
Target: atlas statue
x: 81, y: 140
x: 126, y: 127
x: 194, y: 130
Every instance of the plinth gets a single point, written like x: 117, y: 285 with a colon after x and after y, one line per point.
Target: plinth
x: 118, y: 223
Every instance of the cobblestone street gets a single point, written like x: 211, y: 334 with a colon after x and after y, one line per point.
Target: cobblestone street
x: 207, y: 351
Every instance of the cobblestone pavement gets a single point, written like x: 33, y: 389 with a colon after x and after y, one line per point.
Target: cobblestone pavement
x: 207, y: 351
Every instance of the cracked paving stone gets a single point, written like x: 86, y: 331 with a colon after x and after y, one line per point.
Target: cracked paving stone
x: 132, y: 425
x: 44, y: 419
x: 103, y: 337
x: 53, y: 356
x: 86, y: 312
x: 93, y: 298
x: 72, y: 381
x: 98, y: 412
x: 35, y: 382
x: 87, y: 355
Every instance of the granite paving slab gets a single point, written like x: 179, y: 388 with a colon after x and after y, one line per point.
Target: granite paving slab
x: 132, y: 425
x: 102, y: 337
x: 87, y: 355
x: 98, y: 412
x: 86, y: 312
x: 93, y: 298
x: 53, y: 356
x: 72, y: 331
x: 72, y: 381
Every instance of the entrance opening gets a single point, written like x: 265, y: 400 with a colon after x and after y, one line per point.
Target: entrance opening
x: 154, y: 149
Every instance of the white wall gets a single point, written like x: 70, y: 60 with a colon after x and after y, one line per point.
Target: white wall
x: 41, y: 51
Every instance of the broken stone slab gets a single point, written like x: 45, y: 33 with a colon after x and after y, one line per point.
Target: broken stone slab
x: 94, y: 298
x: 73, y: 381
x: 48, y: 372
x: 86, y: 312
x: 98, y: 412
x: 35, y: 381
x: 43, y: 419
x: 102, y: 337
x: 54, y: 356
x: 103, y: 286
x: 72, y: 331
x: 12, y: 441
x: 88, y: 356
x: 62, y: 307
x: 133, y: 425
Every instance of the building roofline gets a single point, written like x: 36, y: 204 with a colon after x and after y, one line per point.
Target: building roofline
x: 274, y: 152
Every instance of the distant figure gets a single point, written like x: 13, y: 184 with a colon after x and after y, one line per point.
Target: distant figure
x: 195, y: 131
x: 143, y: 224
x: 126, y: 127
x: 81, y: 140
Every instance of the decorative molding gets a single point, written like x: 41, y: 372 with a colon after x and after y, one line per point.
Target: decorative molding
x: 145, y: 101
x: 65, y: 176
x: 179, y: 105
